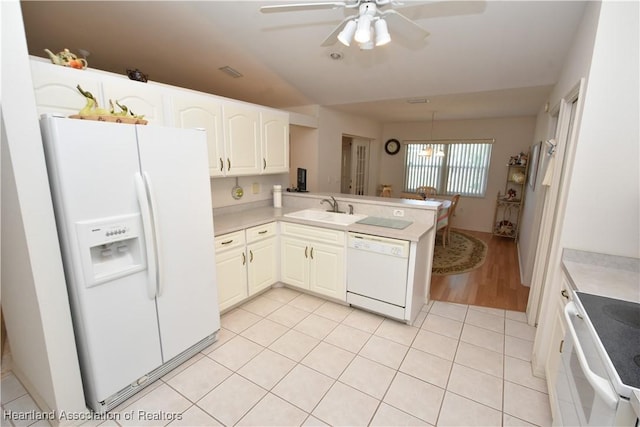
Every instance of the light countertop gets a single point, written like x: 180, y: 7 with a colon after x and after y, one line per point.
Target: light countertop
x: 604, y: 275
x: 230, y: 222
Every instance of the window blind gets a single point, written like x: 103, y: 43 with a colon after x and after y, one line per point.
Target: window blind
x: 452, y: 167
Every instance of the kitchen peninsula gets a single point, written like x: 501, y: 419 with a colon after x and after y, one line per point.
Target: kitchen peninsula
x: 319, y: 256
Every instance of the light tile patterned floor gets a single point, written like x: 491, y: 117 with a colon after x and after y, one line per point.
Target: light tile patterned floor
x: 287, y: 358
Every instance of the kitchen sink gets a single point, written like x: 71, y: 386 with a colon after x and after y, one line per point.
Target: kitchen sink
x: 328, y: 217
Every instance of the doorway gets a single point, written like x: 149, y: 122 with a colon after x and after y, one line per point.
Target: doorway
x: 354, y: 174
x: 561, y: 152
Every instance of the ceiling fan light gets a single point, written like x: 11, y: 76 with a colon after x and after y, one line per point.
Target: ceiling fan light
x: 363, y: 31
x: 366, y: 46
x: 382, y: 32
x: 346, y: 35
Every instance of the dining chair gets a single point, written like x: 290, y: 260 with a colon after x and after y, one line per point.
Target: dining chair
x: 413, y: 196
x: 386, y: 192
x: 444, y: 222
x: 427, y: 192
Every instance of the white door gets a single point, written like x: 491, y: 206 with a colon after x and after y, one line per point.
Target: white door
x: 175, y: 162
x: 201, y: 112
x: 231, y: 270
x: 275, y: 142
x: 295, y: 262
x: 262, y: 270
x: 242, y: 134
x: 327, y: 271
x: 139, y: 98
x: 91, y: 167
x: 56, y: 91
x: 359, y: 166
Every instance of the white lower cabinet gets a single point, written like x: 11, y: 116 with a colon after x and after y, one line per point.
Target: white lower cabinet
x: 554, y: 357
x: 245, y: 263
x: 231, y: 269
x: 262, y: 264
x: 312, y: 258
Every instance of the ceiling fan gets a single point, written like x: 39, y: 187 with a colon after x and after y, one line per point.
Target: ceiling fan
x: 368, y: 28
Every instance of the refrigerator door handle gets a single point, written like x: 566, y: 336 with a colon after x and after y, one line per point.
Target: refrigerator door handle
x: 147, y: 226
x: 158, y: 243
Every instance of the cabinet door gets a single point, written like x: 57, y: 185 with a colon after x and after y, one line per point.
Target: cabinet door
x: 242, y: 139
x: 55, y: 88
x: 203, y: 112
x: 275, y: 142
x: 294, y: 262
x: 262, y: 267
x: 141, y: 98
x: 327, y: 271
x: 231, y: 273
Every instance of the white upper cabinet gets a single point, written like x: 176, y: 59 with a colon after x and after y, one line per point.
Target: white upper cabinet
x: 275, y: 141
x: 56, y: 91
x: 140, y: 98
x: 242, y: 139
x: 195, y: 111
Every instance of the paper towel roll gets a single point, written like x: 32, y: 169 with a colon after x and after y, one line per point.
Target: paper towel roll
x: 277, y: 196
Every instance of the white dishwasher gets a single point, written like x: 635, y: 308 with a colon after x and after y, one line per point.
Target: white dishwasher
x: 377, y: 269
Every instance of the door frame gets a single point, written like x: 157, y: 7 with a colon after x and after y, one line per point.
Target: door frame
x: 547, y: 269
x: 353, y: 142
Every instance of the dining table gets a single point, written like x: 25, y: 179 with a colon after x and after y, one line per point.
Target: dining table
x: 443, y: 211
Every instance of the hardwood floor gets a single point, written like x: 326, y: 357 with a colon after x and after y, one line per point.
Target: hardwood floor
x: 495, y: 284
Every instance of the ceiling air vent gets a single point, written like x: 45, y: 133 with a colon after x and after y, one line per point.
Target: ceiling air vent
x: 230, y: 71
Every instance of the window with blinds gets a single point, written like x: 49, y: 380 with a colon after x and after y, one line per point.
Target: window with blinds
x: 452, y: 167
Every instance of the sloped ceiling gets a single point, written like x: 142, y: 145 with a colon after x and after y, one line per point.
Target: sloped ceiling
x: 482, y: 58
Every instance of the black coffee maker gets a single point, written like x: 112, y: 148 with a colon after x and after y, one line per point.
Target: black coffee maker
x: 301, y: 186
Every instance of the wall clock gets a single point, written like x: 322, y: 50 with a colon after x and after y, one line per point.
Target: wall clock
x: 392, y: 146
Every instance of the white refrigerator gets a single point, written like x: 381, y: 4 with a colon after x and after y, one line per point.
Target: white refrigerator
x: 134, y: 217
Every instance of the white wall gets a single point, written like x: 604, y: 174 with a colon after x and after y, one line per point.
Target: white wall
x: 35, y: 302
x: 512, y: 135
x: 603, y: 208
x: 602, y: 205
x: 576, y: 66
x: 303, y: 153
x: 263, y: 184
x: 532, y: 209
x: 332, y: 125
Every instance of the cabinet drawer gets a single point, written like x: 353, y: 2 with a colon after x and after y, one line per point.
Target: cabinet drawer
x: 228, y: 241
x: 326, y: 235
x: 260, y: 232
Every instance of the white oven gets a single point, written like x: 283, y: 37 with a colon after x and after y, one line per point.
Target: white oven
x: 589, y: 388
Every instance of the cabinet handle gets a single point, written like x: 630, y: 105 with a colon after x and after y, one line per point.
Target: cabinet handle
x: 264, y: 163
x: 244, y: 259
x: 305, y: 252
x: 250, y: 256
x: 561, y: 346
x: 221, y: 164
x: 564, y: 293
x: 263, y: 232
x: 228, y: 164
x: 227, y: 242
x: 312, y: 252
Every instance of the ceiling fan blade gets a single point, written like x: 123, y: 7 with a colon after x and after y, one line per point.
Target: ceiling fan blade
x: 403, y: 26
x: 302, y: 6
x: 333, y: 37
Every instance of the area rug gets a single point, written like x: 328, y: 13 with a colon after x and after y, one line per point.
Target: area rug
x: 465, y: 253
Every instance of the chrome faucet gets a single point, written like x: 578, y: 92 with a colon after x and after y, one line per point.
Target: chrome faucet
x: 333, y: 203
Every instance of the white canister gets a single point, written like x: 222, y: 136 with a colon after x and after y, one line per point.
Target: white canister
x: 277, y: 196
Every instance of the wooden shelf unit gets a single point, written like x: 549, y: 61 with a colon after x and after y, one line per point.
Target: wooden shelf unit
x: 508, y: 210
